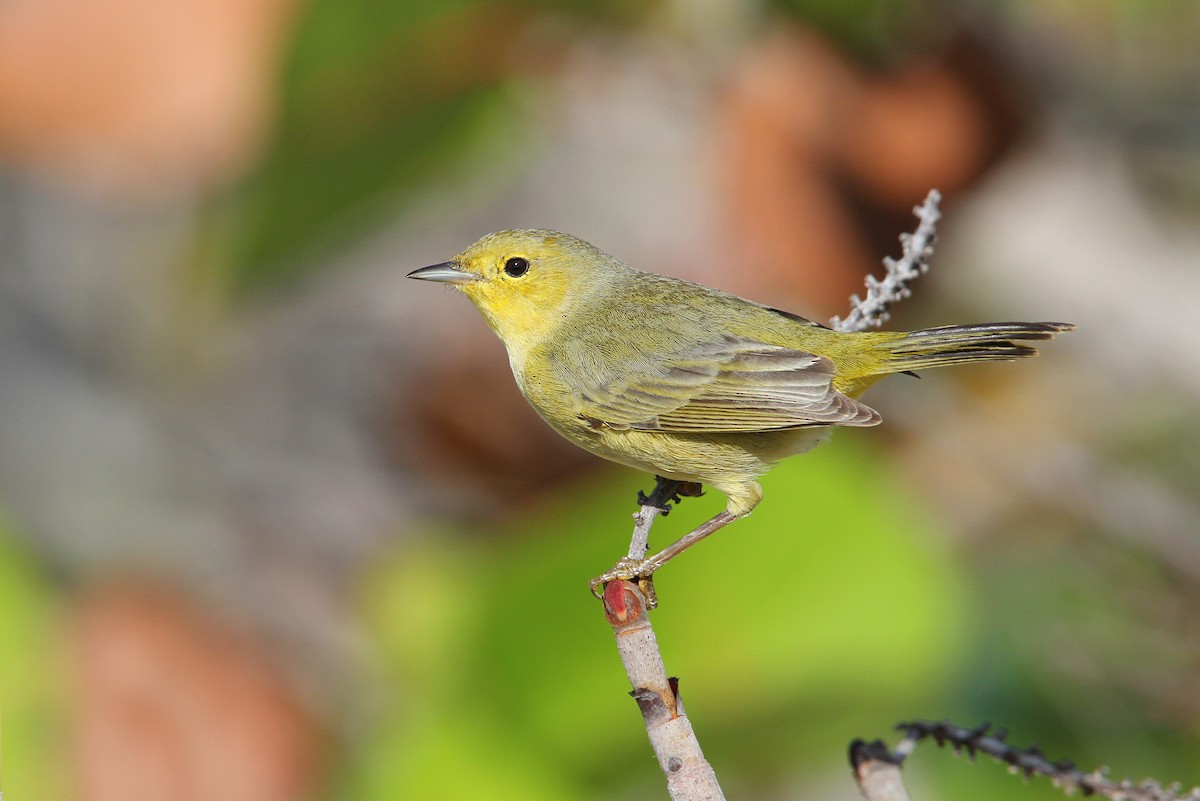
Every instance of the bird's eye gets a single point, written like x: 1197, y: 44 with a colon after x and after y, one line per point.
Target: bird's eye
x: 516, y: 266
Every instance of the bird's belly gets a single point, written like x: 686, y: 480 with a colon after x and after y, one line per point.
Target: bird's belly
x: 716, y: 459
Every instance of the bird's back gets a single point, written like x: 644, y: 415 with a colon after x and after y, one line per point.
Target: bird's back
x: 671, y: 315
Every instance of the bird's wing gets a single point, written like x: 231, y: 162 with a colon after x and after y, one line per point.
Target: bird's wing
x: 729, y: 385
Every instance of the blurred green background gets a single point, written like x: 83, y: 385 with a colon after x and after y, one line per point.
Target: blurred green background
x: 276, y: 524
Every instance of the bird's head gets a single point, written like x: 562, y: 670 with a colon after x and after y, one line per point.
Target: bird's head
x: 526, y: 281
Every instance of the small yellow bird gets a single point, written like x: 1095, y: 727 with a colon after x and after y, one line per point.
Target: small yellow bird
x: 681, y: 380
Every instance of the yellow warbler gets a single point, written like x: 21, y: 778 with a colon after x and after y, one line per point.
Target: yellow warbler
x: 682, y: 380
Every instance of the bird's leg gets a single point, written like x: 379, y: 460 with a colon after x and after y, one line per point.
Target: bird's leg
x: 651, y: 564
x: 667, y: 491
x: 635, y: 566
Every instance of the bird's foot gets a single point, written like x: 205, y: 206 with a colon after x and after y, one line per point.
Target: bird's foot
x: 639, y: 571
x: 668, y: 491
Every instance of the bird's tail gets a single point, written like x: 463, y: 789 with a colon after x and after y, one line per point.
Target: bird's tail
x: 960, y: 344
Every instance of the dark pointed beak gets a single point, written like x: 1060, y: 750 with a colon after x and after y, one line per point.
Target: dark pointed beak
x: 447, y: 272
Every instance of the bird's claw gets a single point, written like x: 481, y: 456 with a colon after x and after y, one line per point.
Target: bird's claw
x: 648, y: 500
x: 639, y: 571
x: 668, y: 491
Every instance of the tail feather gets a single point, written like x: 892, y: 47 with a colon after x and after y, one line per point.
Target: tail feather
x: 959, y: 344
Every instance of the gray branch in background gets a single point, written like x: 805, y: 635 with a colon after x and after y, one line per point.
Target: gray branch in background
x: 917, y: 247
x: 877, y: 769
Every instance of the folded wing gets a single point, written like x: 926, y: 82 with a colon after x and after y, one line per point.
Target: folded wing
x: 726, y: 386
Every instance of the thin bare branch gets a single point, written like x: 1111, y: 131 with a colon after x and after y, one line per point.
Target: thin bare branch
x: 689, y: 776
x: 917, y: 247
x: 877, y: 772
x: 1028, y: 761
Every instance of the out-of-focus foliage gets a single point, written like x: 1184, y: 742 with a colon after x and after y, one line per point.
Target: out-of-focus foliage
x: 365, y: 65
x: 33, y: 677
x: 380, y: 101
x: 874, y: 30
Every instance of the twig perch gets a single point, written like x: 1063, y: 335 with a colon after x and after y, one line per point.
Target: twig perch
x: 689, y: 776
x: 877, y: 772
x: 877, y: 769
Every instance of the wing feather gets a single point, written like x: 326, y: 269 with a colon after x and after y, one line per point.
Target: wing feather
x: 726, y: 386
